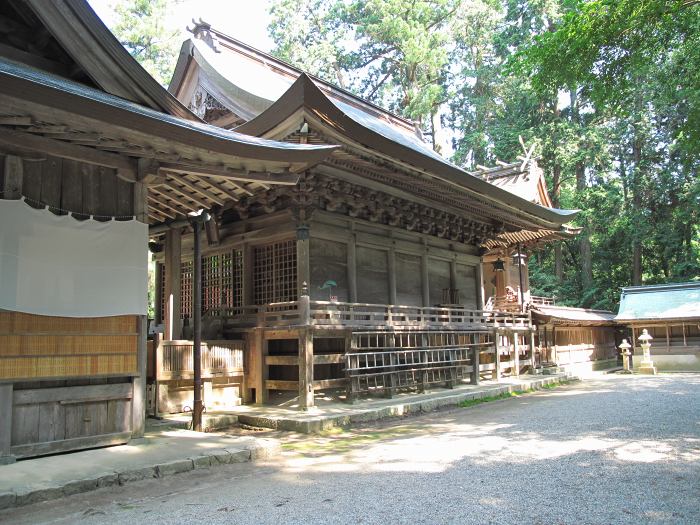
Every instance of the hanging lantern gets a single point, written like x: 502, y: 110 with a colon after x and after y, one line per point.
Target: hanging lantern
x: 519, y: 259
x: 499, y: 265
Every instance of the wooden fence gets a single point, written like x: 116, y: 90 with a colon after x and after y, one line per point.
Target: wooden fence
x: 175, y: 359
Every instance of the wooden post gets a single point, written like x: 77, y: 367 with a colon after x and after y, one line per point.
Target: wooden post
x: 198, y: 404
x: 306, y: 368
x: 497, y: 339
x: 685, y: 342
x: 173, y: 262
x: 14, y: 171
x: 516, y: 353
x: 303, y: 263
x: 425, y: 283
x: 668, y: 338
x: 480, y: 285
x: 532, y: 350
x: 453, y: 299
x: 350, y: 362
x: 138, y: 401
x: 475, y: 364
x: 261, y: 349
x: 391, y: 263
x: 6, y: 427
x: 352, y: 269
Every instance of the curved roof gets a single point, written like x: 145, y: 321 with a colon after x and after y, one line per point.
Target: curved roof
x: 45, y: 89
x: 562, y: 315
x: 372, y: 132
x: 79, y: 31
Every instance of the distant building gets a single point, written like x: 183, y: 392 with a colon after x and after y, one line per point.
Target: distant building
x: 671, y: 314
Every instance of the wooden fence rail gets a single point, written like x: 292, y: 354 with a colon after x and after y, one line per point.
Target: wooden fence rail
x: 175, y: 360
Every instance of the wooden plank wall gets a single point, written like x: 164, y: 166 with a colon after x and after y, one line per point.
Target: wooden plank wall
x: 81, y: 188
x: 42, y: 347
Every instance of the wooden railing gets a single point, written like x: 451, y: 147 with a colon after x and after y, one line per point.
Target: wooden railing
x: 327, y: 313
x: 544, y: 301
x: 174, y: 359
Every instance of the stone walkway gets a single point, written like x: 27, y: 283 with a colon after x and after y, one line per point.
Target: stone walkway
x: 613, y: 449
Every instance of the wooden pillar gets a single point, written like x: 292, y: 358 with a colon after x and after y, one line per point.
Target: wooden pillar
x: 392, y: 275
x: 453, y: 299
x: 480, y: 300
x: 198, y: 402
x: 6, y: 427
x: 516, y: 354
x: 306, y: 369
x: 261, y: 372
x: 303, y: 263
x: 173, y: 258
x: 475, y: 362
x: 425, y: 283
x: 497, y: 360
x: 668, y: 338
x: 532, y: 350
x: 14, y: 172
x: 248, y: 261
x: 685, y: 342
x: 352, y: 269
x: 138, y: 401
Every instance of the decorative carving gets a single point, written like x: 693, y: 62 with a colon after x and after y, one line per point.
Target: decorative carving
x: 316, y: 191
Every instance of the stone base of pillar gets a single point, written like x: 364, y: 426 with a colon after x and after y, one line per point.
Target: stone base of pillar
x: 647, y: 369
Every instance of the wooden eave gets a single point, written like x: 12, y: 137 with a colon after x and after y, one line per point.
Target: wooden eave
x: 188, y: 165
x: 437, y: 174
x: 81, y: 33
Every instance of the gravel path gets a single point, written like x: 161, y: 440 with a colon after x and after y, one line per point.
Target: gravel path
x: 614, y: 449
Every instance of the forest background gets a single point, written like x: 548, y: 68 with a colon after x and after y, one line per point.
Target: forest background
x: 607, y: 91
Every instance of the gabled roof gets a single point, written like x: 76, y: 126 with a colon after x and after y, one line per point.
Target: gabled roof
x: 81, y: 33
x: 660, y: 301
x: 524, y: 179
x: 375, y: 134
x: 564, y: 315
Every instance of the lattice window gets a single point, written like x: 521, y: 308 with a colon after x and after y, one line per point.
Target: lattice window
x: 222, y: 283
x: 161, y: 295
x: 275, y: 272
x: 186, y: 281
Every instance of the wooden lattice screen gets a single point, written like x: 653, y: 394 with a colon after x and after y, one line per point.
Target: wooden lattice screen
x: 275, y: 272
x: 222, y: 282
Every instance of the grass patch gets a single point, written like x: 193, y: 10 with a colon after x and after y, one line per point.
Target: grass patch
x: 507, y: 395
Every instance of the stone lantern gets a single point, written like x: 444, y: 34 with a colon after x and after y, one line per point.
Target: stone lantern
x: 647, y: 365
x: 625, y: 351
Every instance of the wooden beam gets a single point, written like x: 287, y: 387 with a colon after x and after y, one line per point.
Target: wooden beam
x: 126, y: 167
x: 211, y: 228
x: 199, y: 201
x: 202, y: 191
x: 225, y: 173
x: 162, y: 204
x: 223, y: 190
x: 173, y: 198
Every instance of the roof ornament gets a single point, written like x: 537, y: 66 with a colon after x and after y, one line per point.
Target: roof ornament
x: 528, y: 152
x: 202, y: 31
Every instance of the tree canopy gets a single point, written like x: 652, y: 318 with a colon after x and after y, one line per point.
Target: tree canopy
x: 607, y: 90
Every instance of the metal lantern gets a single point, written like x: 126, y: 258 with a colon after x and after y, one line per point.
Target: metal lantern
x: 519, y: 258
x: 499, y: 265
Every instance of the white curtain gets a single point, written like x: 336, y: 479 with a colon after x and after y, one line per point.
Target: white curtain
x: 56, y: 265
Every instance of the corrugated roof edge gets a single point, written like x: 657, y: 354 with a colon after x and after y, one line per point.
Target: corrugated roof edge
x: 661, y: 287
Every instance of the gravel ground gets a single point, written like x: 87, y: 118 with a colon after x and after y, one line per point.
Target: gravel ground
x: 615, y: 449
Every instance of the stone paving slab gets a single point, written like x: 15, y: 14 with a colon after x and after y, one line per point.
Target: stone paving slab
x: 337, y: 414
x: 159, y: 454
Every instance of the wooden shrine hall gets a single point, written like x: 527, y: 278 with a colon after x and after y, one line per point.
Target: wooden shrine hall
x: 92, y: 151
x: 364, y: 278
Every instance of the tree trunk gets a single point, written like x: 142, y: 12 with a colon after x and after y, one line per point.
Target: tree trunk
x: 584, y: 239
x: 637, y: 203
x: 556, y: 181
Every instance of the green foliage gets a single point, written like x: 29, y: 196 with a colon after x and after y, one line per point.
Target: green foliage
x: 140, y: 29
x: 607, y: 90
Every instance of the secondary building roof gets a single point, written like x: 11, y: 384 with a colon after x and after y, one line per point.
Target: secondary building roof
x: 676, y: 301
x: 564, y: 315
